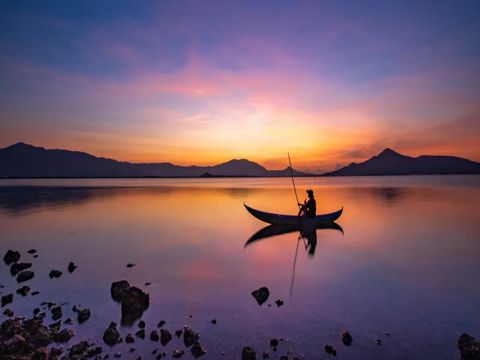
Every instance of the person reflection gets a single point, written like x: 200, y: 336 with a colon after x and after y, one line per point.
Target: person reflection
x: 309, y: 237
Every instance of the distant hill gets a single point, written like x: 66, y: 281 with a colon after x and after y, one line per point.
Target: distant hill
x: 390, y: 162
x: 24, y: 160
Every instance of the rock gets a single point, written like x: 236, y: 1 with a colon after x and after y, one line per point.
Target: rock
x: 8, y: 313
x: 11, y: 257
x: 213, y: 321
x: 274, y: 342
x: 32, y: 251
x: 141, y: 324
x: 78, y: 349
x: 161, y: 323
x: 261, y: 295
x: 82, y: 315
x: 68, y: 321
x: 378, y: 342
x: 347, y: 338
x: 154, y: 336
x: 56, y: 312
x: 34, y: 293
x: 25, y: 276
x: 35, y: 256
x: 469, y: 347
x: 134, y: 301
x: 330, y: 350
x: 140, y: 334
x: 197, y: 350
x: 23, y: 290
x: 55, y: 274
x: 129, y: 339
x: 118, y: 288
x: 165, y: 336
x: 189, y: 336
x: 177, y: 353
x: 63, y: 336
x: 15, y: 268
x: 130, y: 265
x: 7, y: 299
x: 71, y: 267
x: 265, y: 355
x: 178, y: 333
x: 36, y: 311
x: 148, y: 283
x: 279, y: 302
x: 55, y: 326
x: 248, y: 353
x: 111, y: 335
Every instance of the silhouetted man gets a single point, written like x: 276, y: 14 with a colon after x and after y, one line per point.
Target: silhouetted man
x: 309, y: 207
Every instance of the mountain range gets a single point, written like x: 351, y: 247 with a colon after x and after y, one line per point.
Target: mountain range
x: 390, y: 162
x: 27, y: 161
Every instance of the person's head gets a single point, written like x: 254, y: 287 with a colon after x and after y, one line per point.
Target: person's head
x: 310, y: 193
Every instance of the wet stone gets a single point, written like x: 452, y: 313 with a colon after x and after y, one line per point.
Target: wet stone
x: 141, y: 324
x: 140, y: 334
x: 330, y: 350
x: 189, y: 336
x: 274, y: 342
x: 71, y: 267
x: 54, y: 274
x: 213, y: 321
x: 23, y: 290
x: 165, y: 336
x: 197, y: 350
x: 111, y: 335
x: 83, y: 315
x: 265, y: 355
x: 469, y: 347
x: 261, y: 294
x: 56, y: 312
x: 7, y: 299
x: 347, y: 338
x: 63, y: 336
x: 129, y: 339
x: 248, y: 353
x: 178, y: 333
x: 161, y: 323
x: 154, y: 336
x: 25, y: 276
x: 279, y: 302
x: 130, y: 265
x: 32, y: 251
x: 11, y: 256
x: 8, y: 313
x: 34, y: 293
x: 17, y: 267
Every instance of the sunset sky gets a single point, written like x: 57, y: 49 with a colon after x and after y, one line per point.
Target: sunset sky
x: 202, y: 82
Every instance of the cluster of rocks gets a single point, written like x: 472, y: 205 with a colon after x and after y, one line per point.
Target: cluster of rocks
x: 22, y: 338
x: 191, y: 339
x: 469, y: 347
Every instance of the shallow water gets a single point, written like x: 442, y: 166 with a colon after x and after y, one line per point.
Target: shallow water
x: 407, y: 263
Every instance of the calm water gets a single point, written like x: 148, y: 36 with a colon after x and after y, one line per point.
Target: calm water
x: 408, y: 262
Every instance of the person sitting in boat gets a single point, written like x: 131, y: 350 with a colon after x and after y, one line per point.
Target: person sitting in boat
x: 309, y: 207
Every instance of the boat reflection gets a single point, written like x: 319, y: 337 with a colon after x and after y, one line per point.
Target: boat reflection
x: 307, y: 235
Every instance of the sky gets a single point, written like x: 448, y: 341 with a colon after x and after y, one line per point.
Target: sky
x: 203, y: 82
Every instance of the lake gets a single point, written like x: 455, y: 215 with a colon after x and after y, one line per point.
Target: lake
x: 404, y: 271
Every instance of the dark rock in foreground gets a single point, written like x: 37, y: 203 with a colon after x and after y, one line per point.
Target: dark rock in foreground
x: 261, y: 295
x: 248, y: 353
x: 82, y: 314
x: 25, y: 276
x: 7, y: 299
x: 17, y: 267
x: 71, y: 267
x: 134, y: 301
x: 63, y: 336
x: 197, y: 350
x: 347, y: 338
x: 469, y: 347
x: 154, y: 336
x: 111, y: 335
x: 329, y: 349
x: 11, y: 256
x: 23, y: 290
x: 32, y: 251
x: 55, y: 274
x: 279, y: 302
x: 129, y: 339
x: 165, y: 336
x: 189, y: 336
x: 56, y: 313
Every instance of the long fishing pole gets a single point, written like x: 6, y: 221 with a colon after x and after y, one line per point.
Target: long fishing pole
x: 293, y: 181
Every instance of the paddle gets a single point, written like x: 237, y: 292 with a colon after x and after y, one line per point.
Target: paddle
x: 293, y: 180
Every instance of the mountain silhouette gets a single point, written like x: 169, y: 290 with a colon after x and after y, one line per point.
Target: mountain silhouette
x: 390, y: 162
x: 24, y: 160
